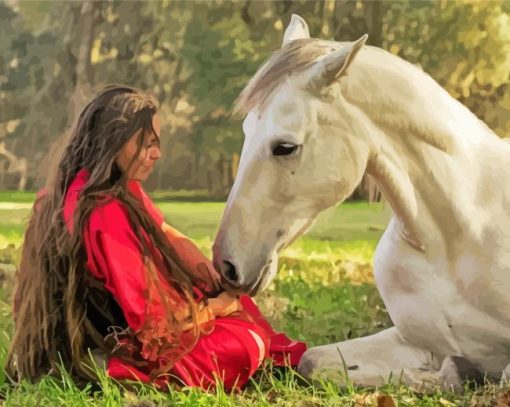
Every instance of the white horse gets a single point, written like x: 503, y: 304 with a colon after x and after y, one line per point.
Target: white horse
x: 322, y: 114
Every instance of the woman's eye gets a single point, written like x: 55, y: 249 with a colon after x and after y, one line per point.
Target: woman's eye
x: 285, y: 149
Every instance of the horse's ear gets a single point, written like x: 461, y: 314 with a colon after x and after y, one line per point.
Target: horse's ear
x: 297, y: 30
x: 334, y: 65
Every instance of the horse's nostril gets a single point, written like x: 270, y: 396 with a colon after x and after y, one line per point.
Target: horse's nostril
x: 230, y: 271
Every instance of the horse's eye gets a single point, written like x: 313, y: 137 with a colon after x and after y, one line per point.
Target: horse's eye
x: 285, y: 149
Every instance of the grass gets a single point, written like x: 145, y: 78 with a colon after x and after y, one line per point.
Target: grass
x: 324, y: 292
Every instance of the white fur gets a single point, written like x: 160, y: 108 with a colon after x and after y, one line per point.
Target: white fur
x: 443, y: 264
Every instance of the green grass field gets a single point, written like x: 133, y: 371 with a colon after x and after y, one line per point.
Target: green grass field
x: 324, y: 292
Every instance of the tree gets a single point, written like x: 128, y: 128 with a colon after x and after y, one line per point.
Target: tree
x: 463, y: 45
x: 197, y: 56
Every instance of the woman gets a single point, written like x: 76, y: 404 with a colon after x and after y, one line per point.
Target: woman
x: 103, y: 274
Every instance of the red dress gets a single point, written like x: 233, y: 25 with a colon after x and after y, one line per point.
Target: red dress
x: 230, y: 351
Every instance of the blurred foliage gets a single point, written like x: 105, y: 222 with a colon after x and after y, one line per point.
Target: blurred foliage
x: 464, y: 45
x: 197, y: 56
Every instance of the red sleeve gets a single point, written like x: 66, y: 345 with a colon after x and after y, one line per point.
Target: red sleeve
x: 115, y: 256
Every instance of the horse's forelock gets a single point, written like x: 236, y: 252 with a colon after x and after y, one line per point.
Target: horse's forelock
x: 294, y: 57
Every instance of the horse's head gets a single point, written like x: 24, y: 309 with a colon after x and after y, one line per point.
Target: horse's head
x: 297, y: 160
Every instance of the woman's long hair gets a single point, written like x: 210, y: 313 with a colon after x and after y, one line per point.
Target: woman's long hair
x: 51, y: 323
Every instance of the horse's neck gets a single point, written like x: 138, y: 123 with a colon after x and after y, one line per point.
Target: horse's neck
x: 430, y: 180
x: 429, y: 154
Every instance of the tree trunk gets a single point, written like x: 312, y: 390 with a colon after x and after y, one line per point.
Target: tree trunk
x: 16, y: 164
x: 373, y: 16
x: 85, y: 30
x: 328, y: 13
x: 235, y: 167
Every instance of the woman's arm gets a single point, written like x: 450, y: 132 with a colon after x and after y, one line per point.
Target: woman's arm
x: 194, y: 259
x: 204, y: 275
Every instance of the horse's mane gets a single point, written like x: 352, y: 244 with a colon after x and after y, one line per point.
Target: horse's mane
x: 294, y: 57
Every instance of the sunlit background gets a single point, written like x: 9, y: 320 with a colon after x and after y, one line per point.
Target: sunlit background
x: 195, y: 57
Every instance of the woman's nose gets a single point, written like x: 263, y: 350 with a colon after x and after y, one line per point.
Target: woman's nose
x: 156, y: 154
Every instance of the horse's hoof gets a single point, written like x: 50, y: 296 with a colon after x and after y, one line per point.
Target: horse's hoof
x: 307, y: 365
x: 317, y: 363
x: 455, y: 370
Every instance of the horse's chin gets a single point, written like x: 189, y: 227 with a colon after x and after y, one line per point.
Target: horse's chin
x: 268, y: 274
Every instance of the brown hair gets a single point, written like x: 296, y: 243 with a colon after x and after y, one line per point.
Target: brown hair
x: 51, y: 322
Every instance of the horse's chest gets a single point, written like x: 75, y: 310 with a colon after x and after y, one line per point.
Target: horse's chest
x: 421, y: 306
x: 444, y: 304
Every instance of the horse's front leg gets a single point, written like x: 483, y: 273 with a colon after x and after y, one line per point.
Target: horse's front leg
x: 372, y: 361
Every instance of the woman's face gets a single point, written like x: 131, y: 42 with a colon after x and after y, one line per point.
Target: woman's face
x: 149, y: 153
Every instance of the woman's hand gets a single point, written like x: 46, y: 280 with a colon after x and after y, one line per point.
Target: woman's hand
x: 220, y: 306
x: 224, y: 304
